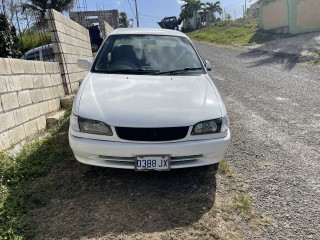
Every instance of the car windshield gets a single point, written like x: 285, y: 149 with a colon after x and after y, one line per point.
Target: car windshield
x: 147, y: 54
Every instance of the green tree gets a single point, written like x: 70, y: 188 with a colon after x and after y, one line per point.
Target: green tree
x: 40, y: 7
x: 123, y: 20
x: 228, y: 17
x: 8, y: 7
x: 9, y: 42
x: 32, y: 39
x: 212, y: 8
x: 189, y: 8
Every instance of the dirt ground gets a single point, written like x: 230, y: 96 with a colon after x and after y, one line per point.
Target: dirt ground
x: 77, y: 201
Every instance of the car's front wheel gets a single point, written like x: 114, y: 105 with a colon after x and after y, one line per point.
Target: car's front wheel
x: 94, y: 47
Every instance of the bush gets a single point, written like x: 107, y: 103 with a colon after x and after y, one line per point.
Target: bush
x: 9, y: 42
x: 32, y: 40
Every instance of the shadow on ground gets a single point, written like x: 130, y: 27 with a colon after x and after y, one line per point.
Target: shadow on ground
x: 285, y: 49
x: 263, y: 36
x: 77, y: 201
x: 267, y: 58
x: 52, y: 196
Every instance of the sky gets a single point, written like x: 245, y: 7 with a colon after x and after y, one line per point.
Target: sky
x: 152, y: 11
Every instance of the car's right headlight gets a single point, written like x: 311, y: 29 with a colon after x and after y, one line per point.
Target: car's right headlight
x: 91, y: 126
x: 211, y: 126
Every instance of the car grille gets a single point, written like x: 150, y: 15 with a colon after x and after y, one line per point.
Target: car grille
x: 152, y: 134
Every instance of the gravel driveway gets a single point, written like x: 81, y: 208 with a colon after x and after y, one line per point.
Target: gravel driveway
x: 271, y: 190
x: 274, y: 106
x: 302, y: 46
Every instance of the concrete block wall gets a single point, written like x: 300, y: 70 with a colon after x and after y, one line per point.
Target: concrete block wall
x: 28, y: 91
x: 106, y: 29
x: 274, y: 15
x: 294, y: 16
x: 70, y: 42
x: 86, y: 18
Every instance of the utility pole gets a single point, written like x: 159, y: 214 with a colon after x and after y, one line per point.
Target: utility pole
x: 235, y: 15
x: 245, y: 6
x: 244, y: 16
x: 245, y: 11
x: 137, y: 16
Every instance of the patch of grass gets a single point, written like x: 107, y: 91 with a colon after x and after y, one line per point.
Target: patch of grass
x: 268, y: 221
x: 231, y: 34
x: 225, y: 168
x: 316, y: 59
x: 243, y: 203
x: 35, y: 160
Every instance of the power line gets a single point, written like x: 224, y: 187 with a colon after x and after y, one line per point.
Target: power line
x: 152, y: 18
x: 148, y: 19
x: 131, y: 7
x: 123, y: 7
x: 130, y: 15
x: 119, y: 6
x: 150, y: 15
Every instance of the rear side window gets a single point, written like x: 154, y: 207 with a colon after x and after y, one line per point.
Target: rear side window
x: 33, y: 56
x: 47, y: 54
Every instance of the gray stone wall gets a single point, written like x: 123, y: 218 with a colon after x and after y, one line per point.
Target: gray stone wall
x: 70, y: 42
x: 106, y: 29
x: 87, y: 18
x: 28, y: 91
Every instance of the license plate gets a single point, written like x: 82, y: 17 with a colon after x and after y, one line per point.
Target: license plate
x: 148, y: 163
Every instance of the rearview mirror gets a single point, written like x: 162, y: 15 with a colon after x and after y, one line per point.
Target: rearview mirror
x: 207, y: 65
x: 84, y: 63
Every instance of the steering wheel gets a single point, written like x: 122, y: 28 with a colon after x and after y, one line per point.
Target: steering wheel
x: 126, y: 62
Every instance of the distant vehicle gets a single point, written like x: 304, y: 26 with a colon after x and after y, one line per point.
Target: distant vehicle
x: 42, y: 53
x: 95, y: 38
x: 170, y: 23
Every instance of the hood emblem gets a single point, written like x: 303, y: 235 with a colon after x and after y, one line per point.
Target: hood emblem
x: 154, y: 134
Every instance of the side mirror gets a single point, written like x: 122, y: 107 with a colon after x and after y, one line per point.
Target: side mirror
x: 84, y: 63
x: 207, y: 65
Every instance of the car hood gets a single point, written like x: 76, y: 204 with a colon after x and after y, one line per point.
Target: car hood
x: 148, y: 101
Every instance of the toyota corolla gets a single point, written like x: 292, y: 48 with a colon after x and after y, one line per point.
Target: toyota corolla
x: 148, y: 103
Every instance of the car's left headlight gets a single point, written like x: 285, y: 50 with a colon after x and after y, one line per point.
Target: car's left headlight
x: 211, y: 126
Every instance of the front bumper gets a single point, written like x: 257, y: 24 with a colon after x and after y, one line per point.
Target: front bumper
x: 121, y: 154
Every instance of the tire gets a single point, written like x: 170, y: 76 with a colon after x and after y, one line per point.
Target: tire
x: 94, y: 47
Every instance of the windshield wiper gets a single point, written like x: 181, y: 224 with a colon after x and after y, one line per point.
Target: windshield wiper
x: 179, y: 71
x: 133, y: 71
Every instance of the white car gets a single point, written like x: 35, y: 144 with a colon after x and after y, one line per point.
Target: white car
x: 42, y: 53
x: 148, y: 103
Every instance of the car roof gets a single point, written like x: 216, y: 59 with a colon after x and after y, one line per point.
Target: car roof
x: 38, y: 48
x: 148, y: 31
x: 170, y: 17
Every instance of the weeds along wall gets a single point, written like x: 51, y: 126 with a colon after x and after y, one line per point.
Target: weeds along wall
x: 28, y: 91
x: 70, y: 42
